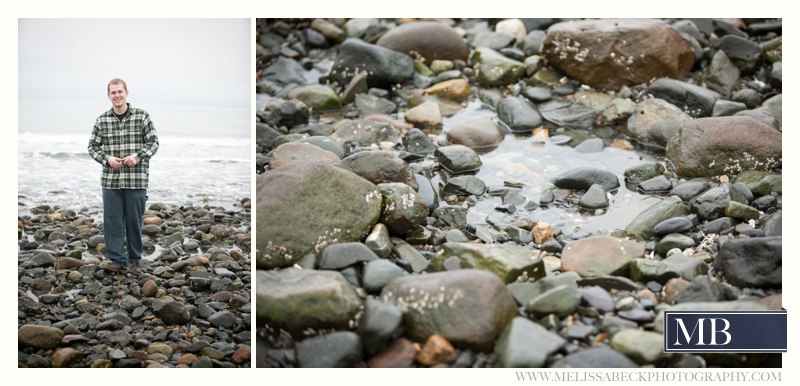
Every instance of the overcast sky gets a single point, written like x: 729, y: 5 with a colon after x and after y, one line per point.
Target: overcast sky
x: 204, y: 61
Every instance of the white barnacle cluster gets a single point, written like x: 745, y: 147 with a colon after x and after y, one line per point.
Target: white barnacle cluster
x: 565, y: 48
x: 423, y: 300
x: 330, y: 237
x: 389, y: 208
x: 407, y: 201
x: 496, y: 70
x: 372, y: 194
x: 522, y: 278
x: 276, y: 252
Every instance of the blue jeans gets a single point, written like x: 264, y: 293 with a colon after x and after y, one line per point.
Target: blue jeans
x: 122, y: 217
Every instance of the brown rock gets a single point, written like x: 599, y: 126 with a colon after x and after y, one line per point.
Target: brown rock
x: 774, y: 302
x: 66, y: 356
x: 426, y: 114
x: 436, y: 350
x: 649, y: 295
x: 300, y: 152
x: 542, y: 232
x: 67, y: 263
x: 673, y: 288
x: 399, y: 354
x: 152, y: 220
x: 159, y: 348
x: 619, y: 143
x: 329, y: 30
x: 241, y: 355
x: 149, y: 288
x: 600, y: 256
x: 427, y: 39
x: 450, y: 89
x: 715, y: 146
x: 222, y: 296
x: 610, y: 53
x: 187, y: 358
x: 74, y: 276
x: 40, y: 285
x: 481, y: 134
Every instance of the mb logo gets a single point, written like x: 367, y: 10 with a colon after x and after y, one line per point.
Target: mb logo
x: 725, y: 331
x: 699, y: 334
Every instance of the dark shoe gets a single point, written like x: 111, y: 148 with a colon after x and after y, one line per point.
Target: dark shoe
x: 133, y: 267
x: 115, y: 268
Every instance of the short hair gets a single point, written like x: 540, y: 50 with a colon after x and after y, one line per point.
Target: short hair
x: 116, y: 81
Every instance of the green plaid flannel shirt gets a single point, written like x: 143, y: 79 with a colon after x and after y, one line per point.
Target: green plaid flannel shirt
x: 114, y: 138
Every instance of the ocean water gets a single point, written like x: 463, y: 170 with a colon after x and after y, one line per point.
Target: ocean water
x: 204, y: 155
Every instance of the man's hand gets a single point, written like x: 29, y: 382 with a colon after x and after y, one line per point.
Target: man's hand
x: 130, y: 160
x: 115, y: 162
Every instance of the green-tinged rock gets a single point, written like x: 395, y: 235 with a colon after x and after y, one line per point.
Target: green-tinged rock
x: 524, y: 343
x: 641, y: 228
x: 467, y: 307
x: 524, y: 292
x: 545, y: 77
x: 508, y: 262
x: 304, y: 206
x: 645, y: 270
x: 600, y: 256
x: 674, y: 240
x: 644, y: 172
x: 643, y: 347
x: 495, y: 68
x: 316, y: 97
x: 741, y: 211
x: 421, y: 68
x: 596, y: 100
x: 773, y: 50
x: 407, y: 253
x: 560, y: 301
x: 688, y: 267
x: 297, y: 300
x: 379, y: 167
x: 403, y: 208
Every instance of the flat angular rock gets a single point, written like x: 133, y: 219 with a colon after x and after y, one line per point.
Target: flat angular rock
x: 704, y: 147
x: 495, y: 68
x: 641, y: 228
x: 560, y: 301
x: 467, y: 307
x: 568, y: 113
x: 458, y: 158
x: 508, y: 262
x: 524, y: 343
x: 643, y: 347
x: 378, y: 273
x: 594, y: 198
x: 644, y: 270
x: 295, y: 300
x: 722, y: 75
x: 464, y: 186
x: 304, y: 206
x: 746, y: 55
x: 338, y: 256
x: 611, y: 53
x: 600, y: 256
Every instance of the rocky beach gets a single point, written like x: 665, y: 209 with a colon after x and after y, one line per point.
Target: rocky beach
x: 503, y: 192
x: 190, y: 306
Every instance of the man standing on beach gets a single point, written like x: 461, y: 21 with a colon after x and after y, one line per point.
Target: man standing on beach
x: 123, y: 140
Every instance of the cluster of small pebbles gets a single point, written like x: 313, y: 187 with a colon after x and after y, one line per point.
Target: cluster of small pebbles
x: 513, y: 192
x: 190, y: 306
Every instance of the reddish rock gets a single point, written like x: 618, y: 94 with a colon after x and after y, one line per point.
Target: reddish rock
x: 428, y: 39
x: 152, y: 220
x: 149, y: 288
x: 436, y: 350
x: 673, y: 288
x: 301, y: 152
x: 187, y: 358
x: 399, y: 354
x: 774, y: 302
x: 66, y: 356
x: 600, y: 256
x: 241, y: 355
x: 610, y: 53
x: 724, y: 145
x: 67, y: 339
